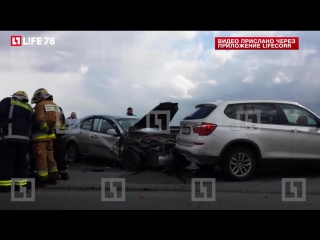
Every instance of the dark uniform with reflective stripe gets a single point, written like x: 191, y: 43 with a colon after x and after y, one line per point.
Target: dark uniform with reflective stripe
x: 15, y: 125
x: 60, y: 148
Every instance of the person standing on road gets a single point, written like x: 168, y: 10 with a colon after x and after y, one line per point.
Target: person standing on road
x: 72, y: 119
x: 15, y: 114
x: 130, y: 112
x: 46, y: 118
x: 73, y: 116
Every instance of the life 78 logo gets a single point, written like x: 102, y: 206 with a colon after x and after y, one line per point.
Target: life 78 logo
x: 17, y: 41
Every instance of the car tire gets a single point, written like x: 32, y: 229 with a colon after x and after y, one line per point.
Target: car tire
x: 132, y: 161
x: 237, y: 161
x: 73, y: 152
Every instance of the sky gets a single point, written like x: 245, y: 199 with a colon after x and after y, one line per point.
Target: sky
x: 108, y: 71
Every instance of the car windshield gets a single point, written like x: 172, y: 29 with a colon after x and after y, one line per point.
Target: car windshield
x: 126, y: 123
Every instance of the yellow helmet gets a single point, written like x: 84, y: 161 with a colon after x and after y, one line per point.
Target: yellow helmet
x: 21, y: 95
x: 40, y: 94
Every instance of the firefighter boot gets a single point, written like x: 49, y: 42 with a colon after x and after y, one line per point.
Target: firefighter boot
x: 64, y: 176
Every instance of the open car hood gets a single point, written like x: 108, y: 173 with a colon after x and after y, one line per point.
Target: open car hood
x: 152, y: 118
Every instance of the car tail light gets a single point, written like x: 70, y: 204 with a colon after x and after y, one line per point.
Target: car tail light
x: 204, y: 129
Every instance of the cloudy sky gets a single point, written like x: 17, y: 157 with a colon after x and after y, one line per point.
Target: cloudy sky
x: 106, y: 72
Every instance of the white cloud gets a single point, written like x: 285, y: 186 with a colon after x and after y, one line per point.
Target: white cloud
x: 192, y: 54
x: 247, y: 80
x: 212, y: 82
x: 83, y: 69
x: 181, y: 86
x: 87, y: 71
x: 277, y: 80
x: 136, y: 86
x: 281, y: 78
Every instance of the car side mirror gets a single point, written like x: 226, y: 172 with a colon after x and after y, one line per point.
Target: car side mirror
x: 112, y: 132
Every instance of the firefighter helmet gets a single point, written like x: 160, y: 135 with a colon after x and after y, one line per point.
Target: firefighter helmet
x: 34, y: 100
x: 21, y: 95
x: 40, y: 94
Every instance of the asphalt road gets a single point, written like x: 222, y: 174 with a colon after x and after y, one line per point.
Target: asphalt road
x: 156, y: 190
x: 91, y: 200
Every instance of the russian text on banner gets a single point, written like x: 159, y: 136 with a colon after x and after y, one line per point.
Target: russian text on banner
x: 256, y: 43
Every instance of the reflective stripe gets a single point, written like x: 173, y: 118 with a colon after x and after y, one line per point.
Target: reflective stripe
x: 63, y: 171
x: 21, y: 183
x: 42, y: 136
x: 44, y: 126
x: 58, y: 120
x: 10, y: 117
x: 42, y: 173
x: 54, y: 169
x: 5, y: 183
x: 51, y: 108
x: 15, y: 137
x: 21, y: 104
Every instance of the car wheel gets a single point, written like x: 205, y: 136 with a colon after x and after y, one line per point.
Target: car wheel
x: 132, y: 161
x: 239, y: 164
x: 73, y: 153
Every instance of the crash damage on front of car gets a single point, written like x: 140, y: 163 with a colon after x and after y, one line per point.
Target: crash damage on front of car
x: 150, y: 142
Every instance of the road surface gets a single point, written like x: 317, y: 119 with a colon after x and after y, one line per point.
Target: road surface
x: 156, y: 190
x: 91, y: 200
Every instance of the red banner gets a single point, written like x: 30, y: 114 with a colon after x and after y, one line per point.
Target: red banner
x: 257, y: 43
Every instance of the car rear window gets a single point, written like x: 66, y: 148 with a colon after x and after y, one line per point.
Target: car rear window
x: 201, y: 112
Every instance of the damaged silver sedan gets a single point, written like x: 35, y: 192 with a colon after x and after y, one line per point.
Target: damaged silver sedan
x: 98, y: 136
x: 134, y: 142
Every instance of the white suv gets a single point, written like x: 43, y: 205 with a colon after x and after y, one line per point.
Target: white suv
x: 240, y: 136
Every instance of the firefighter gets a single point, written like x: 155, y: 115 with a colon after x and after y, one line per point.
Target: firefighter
x: 45, y: 119
x: 60, y: 148
x: 32, y: 167
x: 15, y: 114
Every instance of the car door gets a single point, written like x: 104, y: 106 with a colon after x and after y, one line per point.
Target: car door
x: 102, y: 144
x: 263, y: 127
x: 304, y: 131
x: 82, y: 135
x: 94, y: 138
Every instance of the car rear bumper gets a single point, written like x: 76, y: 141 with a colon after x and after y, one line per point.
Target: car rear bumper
x: 200, y: 159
